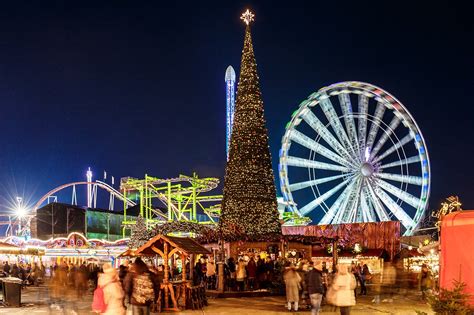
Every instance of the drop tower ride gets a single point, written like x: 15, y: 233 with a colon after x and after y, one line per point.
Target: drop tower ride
x: 230, y: 104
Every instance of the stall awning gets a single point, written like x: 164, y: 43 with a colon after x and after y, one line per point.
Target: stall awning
x: 184, y: 245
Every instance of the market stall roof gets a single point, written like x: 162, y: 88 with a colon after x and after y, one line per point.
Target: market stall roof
x: 184, y: 245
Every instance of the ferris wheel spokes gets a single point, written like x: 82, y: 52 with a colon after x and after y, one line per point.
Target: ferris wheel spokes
x: 395, y: 147
x: 363, y: 108
x: 309, y: 143
x: 397, y: 211
x: 403, y: 195
x: 336, y: 206
x: 412, y: 159
x: 346, y: 107
x: 318, y: 126
x: 407, y: 179
x: 374, y: 128
x: 350, y: 204
x: 385, y: 136
x: 368, y: 214
x: 379, y: 209
x: 316, y: 202
x: 309, y: 183
x: 300, y: 162
x: 336, y: 125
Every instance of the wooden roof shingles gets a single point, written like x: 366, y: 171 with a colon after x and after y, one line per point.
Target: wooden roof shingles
x: 184, y: 244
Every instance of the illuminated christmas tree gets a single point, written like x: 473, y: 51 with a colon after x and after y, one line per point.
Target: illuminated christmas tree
x: 249, y: 206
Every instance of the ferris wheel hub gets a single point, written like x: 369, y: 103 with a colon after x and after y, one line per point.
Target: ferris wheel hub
x: 367, y: 169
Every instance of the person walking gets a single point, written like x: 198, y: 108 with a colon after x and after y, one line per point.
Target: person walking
x: 389, y: 279
x: 113, y: 293
x: 293, y: 284
x: 140, y: 288
x: 342, y: 288
x: 355, y: 270
x: 425, y: 281
x: 81, y: 281
x: 314, y: 286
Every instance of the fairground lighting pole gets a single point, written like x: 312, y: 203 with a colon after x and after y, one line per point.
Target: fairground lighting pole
x: 220, y: 267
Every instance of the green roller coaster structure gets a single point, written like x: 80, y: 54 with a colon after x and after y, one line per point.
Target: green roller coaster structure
x: 183, y: 198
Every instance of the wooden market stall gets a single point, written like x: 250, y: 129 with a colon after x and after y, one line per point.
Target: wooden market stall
x: 167, y: 247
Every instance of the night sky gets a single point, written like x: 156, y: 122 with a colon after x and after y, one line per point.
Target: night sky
x: 135, y: 87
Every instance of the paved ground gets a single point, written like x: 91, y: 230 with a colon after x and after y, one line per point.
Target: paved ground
x: 36, y: 301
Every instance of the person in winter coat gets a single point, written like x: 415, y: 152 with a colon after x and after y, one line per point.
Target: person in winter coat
x: 211, y: 275
x: 232, y: 268
x: 364, y: 277
x: 251, y: 273
x: 261, y: 273
x: 425, y: 281
x: 241, y: 274
x: 314, y: 286
x: 343, y: 287
x: 292, y: 282
x: 140, y: 288
x: 113, y: 292
x: 199, y: 276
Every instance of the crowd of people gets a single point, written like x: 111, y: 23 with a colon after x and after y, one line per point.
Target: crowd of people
x: 134, y: 285
x: 29, y: 273
x: 255, y: 273
x: 137, y: 285
x: 311, y: 285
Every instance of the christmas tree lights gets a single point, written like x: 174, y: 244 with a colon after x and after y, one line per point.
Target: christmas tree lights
x: 140, y: 234
x: 249, y: 206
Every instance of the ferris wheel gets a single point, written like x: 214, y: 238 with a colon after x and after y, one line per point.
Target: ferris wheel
x: 353, y: 153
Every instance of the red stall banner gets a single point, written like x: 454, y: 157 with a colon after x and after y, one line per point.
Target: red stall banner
x: 457, y: 256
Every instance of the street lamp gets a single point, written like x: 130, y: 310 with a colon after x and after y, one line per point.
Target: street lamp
x: 20, y: 210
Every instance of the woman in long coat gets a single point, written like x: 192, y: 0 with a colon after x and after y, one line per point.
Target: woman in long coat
x: 293, y: 284
x: 113, y: 292
x: 343, y: 287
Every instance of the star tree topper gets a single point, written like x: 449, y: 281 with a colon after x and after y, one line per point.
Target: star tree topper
x: 247, y: 17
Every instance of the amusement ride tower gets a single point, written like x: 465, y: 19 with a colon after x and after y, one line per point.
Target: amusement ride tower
x: 230, y: 104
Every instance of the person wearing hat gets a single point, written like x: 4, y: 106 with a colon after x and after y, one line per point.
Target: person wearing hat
x: 113, y: 292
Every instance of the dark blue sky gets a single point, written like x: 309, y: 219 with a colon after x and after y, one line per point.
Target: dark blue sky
x: 136, y: 87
